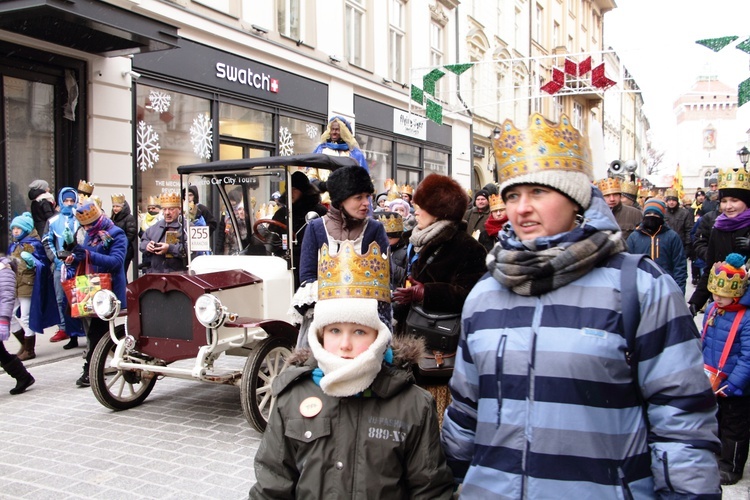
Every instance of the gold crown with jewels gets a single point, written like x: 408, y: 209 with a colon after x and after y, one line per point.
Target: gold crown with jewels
x: 392, y: 222
x: 154, y: 201
x: 88, y: 213
x: 630, y: 188
x: 392, y: 189
x: 610, y: 185
x: 118, y: 199
x: 543, y: 146
x: 348, y: 275
x: 671, y: 193
x: 720, y: 283
x: 731, y: 178
x: 170, y: 200
x: 496, y: 203
x: 85, y: 187
x: 407, y: 189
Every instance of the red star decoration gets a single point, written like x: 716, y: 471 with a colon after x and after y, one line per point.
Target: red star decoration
x: 557, y: 82
x: 599, y: 80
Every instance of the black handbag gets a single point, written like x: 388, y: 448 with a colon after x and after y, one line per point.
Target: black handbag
x: 440, y: 331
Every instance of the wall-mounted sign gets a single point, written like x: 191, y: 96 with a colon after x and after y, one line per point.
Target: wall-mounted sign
x: 478, y: 151
x: 410, y: 125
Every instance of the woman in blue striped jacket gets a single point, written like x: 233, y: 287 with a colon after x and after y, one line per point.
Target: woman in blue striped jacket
x: 549, y: 398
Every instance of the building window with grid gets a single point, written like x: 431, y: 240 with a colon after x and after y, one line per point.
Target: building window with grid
x: 289, y: 16
x: 539, y: 22
x: 355, y: 31
x: 537, y: 101
x: 578, y: 117
x: 396, y: 39
x: 555, y: 35
x: 436, y: 53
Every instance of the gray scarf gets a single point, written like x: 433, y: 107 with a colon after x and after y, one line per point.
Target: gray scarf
x: 533, y: 273
x: 421, y: 237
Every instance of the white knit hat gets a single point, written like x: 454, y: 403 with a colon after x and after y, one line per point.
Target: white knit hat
x: 575, y: 185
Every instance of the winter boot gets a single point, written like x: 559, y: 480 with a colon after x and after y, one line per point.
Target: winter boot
x: 732, y: 460
x: 72, y: 343
x: 15, y: 369
x: 19, y: 336
x: 84, y: 381
x: 59, y: 336
x: 28, y: 348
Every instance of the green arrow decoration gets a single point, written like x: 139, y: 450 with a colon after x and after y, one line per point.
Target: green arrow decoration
x: 743, y: 92
x: 458, y: 68
x: 716, y: 44
x: 429, y: 80
x: 435, y: 112
x: 744, y: 46
x: 417, y: 94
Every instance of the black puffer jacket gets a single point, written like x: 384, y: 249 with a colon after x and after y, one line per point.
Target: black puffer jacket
x: 126, y: 221
x: 385, y: 446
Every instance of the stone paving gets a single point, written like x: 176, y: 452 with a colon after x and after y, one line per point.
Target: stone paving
x: 188, y: 440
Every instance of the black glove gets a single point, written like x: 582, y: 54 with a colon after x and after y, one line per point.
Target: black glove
x: 742, y: 243
x: 79, y: 253
x: 693, y: 309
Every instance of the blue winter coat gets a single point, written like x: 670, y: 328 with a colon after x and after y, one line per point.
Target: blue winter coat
x: 110, y: 260
x: 316, y: 236
x: 544, y: 401
x: 665, y: 248
x: 738, y: 362
x: 53, y: 239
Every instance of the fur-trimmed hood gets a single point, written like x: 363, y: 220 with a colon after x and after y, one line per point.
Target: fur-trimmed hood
x: 391, y: 379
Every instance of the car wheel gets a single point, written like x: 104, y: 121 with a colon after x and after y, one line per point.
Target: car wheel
x: 263, y: 364
x: 113, y: 388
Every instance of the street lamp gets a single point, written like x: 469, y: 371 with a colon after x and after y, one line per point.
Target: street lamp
x: 744, y: 155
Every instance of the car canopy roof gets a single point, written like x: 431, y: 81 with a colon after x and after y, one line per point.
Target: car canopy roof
x: 304, y: 160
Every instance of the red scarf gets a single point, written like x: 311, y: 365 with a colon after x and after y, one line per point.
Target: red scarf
x: 493, y: 226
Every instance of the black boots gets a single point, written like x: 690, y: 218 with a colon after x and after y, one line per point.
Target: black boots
x: 84, y: 381
x: 72, y: 343
x: 15, y: 369
x: 29, y: 344
x: 732, y: 461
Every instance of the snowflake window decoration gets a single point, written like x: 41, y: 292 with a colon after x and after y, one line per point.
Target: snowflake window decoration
x: 312, y: 131
x: 160, y: 101
x: 201, y: 136
x: 147, y: 146
x: 286, y: 142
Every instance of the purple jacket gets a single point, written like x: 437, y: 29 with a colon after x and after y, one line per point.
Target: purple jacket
x: 7, y: 288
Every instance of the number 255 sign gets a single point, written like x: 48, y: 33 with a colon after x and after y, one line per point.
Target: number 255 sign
x: 199, y: 239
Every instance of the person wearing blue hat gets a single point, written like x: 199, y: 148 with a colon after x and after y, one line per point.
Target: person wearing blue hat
x: 35, y: 307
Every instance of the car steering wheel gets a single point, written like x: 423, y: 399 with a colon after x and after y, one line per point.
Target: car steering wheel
x: 272, y: 222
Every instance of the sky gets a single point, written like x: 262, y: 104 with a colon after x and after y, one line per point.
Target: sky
x: 655, y: 40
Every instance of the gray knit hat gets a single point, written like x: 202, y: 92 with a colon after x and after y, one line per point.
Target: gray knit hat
x: 39, y: 184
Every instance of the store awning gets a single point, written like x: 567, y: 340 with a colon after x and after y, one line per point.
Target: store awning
x: 91, y: 26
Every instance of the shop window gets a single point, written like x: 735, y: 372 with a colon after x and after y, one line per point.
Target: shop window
x: 172, y: 129
x: 435, y: 162
x: 298, y: 136
x: 245, y: 123
x: 379, y: 155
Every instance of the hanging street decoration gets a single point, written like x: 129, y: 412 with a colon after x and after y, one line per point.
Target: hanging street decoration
x: 577, y: 70
x: 716, y: 44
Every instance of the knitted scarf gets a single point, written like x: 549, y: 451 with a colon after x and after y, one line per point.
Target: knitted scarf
x: 741, y: 221
x: 493, y: 225
x: 98, y: 232
x: 421, y: 237
x: 341, y: 226
x: 536, y: 272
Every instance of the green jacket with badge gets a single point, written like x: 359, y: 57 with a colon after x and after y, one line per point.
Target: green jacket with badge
x: 382, y: 444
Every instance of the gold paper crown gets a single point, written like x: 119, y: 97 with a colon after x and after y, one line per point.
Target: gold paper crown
x: 407, y: 189
x: 169, y: 200
x: 154, y: 201
x: 392, y: 190
x: 610, y: 185
x: 721, y: 284
x: 643, y: 192
x: 630, y: 188
x: 348, y: 275
x: 96, y: 200
x: 496, y: 203
x: 734, y: 179
x: 543, y: 146
x: 671, y: 193
x: 88, y: 213
x: 85, y: 187
x: 388, y: 184
x: 118, y: 199
x: 83, y: 199
x: 392, y: 222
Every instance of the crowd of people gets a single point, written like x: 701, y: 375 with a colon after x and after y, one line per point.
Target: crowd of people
x: 576, y: 368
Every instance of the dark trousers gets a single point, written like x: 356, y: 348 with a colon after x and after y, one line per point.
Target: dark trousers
x: 95, y: 329
x: 5, y: 356
x: 734, y: 418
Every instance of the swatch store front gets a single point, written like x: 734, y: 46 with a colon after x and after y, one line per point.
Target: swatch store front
x: 196, y: 104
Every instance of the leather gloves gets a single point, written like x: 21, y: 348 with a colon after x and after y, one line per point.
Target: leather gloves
x: 79, y: 253
x: 693, y: 309
x: 742, y: 243
x: 415, y: 293
x: 28, y: 259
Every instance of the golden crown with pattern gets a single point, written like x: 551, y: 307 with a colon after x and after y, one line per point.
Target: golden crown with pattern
x: 496, y: 203
x: 388, y: 184
x: 154, y: 201
x: 671, y: 193
x: 85, y: 187
x: 731, y: 178
x: 407, y: 189
x: 118, y: 199
x: 169, y: 200
x: 392, y: 222
x: 543, y: 146
x: 392, y: 188
x: 721, y: 283
x: 88, y: 213
x: 630, y: 188
x: 610, y: 185
x: 348, y: 275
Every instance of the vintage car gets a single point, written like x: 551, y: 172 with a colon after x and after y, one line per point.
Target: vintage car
x: 232, y: 301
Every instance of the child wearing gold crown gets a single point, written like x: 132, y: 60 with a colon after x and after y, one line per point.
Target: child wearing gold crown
x: 349, y: 421
x: 726, y: 358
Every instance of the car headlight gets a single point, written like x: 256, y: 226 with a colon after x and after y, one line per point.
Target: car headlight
x: 209, y: 311
x: 106, y: 305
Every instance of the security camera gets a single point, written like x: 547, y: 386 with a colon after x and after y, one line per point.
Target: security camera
x: 133, y: 74
x: 334, y: 58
